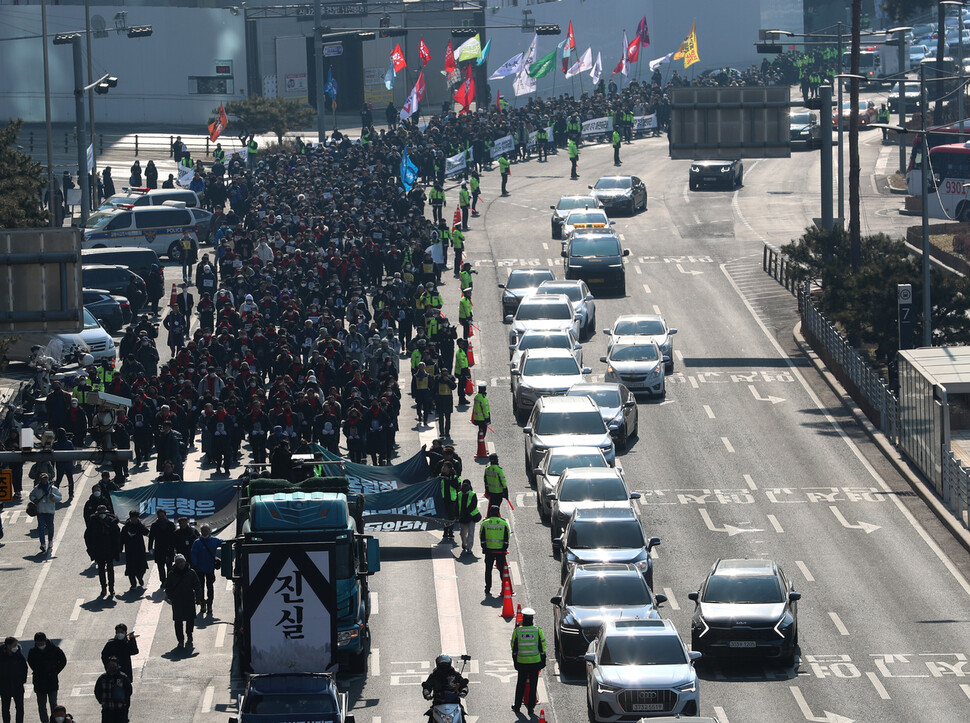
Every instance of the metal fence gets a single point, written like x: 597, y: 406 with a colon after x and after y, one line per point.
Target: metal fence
x: 864, y: 383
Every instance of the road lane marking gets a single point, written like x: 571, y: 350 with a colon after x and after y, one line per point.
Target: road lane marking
x: 839, y: 625
x: 693, y: 382
x: 710, y: 412
x: 751, y: 485
x: 221, y: 635
x: 880, y: 688
x: 448, y: 601
x: 545, y: 245
x: 375, y: 606
x: 966, y: 689
x: 514, y: 572
x: 210, y: 691
x: 375, y: 661
x: 809, y: 577
x: 146, y: 619
x: 638, y: 269
x: 76, y: 612
x: 774, y: 523
x: 671, y: 600
x: 721, y: 715
x: 727, y: 445
x: 646, y: 288
x: 656, y: 309
x: 920, y: 530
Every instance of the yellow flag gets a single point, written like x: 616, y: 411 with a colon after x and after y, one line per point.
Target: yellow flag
x: 688, y: 49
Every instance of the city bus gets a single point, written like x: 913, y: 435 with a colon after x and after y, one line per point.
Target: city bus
x: 948, y: 194
x: 935, y: 136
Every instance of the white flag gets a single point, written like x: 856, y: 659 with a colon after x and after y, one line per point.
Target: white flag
x: 654, y: 64
x: 584, y: 63
x: 597, y: 70
x: 512, y: 66
x: 524, y: 84
x: 471, y: 48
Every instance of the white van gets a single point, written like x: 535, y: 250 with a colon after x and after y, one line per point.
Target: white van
x: 150, y: 197
x: 159, y: 228
x: 92, y: 339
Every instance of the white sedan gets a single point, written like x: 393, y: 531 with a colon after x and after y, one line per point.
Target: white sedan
x: 652, y: 326
x: 536, y: 339
x: 585, y: 218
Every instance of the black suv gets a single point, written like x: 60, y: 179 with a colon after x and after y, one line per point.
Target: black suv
x: 114, y: 280
x: 746, y: 608
x: 595, y: 256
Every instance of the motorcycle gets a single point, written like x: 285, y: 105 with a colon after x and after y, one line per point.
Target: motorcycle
x: 449, y: 709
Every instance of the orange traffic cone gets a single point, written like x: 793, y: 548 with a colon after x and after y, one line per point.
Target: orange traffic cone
x: 518, y: 615
x: 482, y: 452
x: 469, y: 387
x: 542, y: 715
x: 507, y: 612
x: 456, y: 221
x: 471, y: 356
x: 526, y: 697
x: 173, y: 301
x: 506, y: 576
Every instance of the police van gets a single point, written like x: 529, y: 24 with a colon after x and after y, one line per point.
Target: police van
x: 151, y: 197
x: 159, y: 228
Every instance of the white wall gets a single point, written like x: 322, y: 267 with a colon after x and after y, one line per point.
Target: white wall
x: 153, y: 73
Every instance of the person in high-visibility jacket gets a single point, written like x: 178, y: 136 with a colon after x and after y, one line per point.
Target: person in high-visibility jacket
x: 465, y: 312
x: 496, y: 487
x: 458, y: 244
x: 573, y: 159
x: 616, y: 148
x: 481, y: 411
x: 436, y: 197
x: 504, y: 168
x: 464, y: 203
x: 494, y: 538
x: 465, y: 277
x: 450, y: 487
x: 468, y: 515
x: 462, y: 373
x: 474, y: 185
x: 528, y: 657
x: 422, y: 392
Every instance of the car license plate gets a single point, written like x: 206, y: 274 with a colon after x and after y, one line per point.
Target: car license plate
x: 742, y: 644
x: 645, y: 707
x: 596, y: 281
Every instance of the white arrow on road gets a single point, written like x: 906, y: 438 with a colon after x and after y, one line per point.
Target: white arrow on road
x: 682, y: 270
x: 769, y: 398
x: 730, y: 529
x: 826, y: 716
x: 858, y: 526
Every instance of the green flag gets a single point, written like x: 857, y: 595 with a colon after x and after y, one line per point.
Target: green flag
x: 543, y: 66
x: 469, y: 50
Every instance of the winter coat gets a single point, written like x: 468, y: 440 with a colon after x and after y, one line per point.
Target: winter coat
x: 182, y: 540
x: 205, y: 552
x: 122, y: 650
x: 46, y: 499
x: 103, y: 538
x: 93, y: 502
x: 184, y: 592
x: 13, y: 670
x: 160, y: 539
x: 46, y: 665
x: 133, y: 536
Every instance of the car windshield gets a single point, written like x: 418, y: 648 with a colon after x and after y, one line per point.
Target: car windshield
x: 544, y: 341
x: 800, y: 119
x: 537, y: 312
x: 635, y: 352
x: 605, y: 534
x: 100, y: 218
x: 579, y: 489
x: 568, y: 203
x: 89, y: 321
x: 639, y: 327
x: 623, y: 649
x: 282, y: 704
x: 605, y: 246
x: 762, y: 589
x: 602, y: 397
x: 612, y: 591
x: 579, y: 422
x: 552, y: 366
x: 573, y: 292
x: 527, y: 279
x: 586, y: 217
x: 612, y: 183
x: 560, y: 462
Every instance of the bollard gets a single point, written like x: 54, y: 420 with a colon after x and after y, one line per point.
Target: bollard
x: 101, y: 144
x: 136, y: 145
x: 65, y: 142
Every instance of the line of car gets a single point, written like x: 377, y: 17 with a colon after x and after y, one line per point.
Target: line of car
x: 606, y: 614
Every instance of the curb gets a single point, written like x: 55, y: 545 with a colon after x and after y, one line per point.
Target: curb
x: 916, y: 482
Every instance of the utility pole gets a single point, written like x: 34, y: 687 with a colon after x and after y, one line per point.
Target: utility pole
x: 924, y: 198
x: 839, y: 137
x: 51, y: 190
x: 902, y: 98
x: 855, y: 241
x: 938, y: 70
x: 94, y: 158
x: 826, y: 157
x: 318, y: 65
x: 83, y: 180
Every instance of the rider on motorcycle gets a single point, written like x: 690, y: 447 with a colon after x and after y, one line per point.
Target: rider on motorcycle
x: 444, y: 685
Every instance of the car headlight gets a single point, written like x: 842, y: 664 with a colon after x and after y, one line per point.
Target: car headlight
x: 688, y: 687
x: 616, y: 266
x: 539, y: 449
x: 346, y: 637
x: 569, y: 627
x: 628, y: 194
x: 602, y: 688
x: 615, y: 424
x: 784, y: 625
x: 610, y: 369
x: 666, y: 346
x: 701, y: 624
x: 695, y: 169
x: 642, y: 565
x: 725, y: 169
x: 655, y: 372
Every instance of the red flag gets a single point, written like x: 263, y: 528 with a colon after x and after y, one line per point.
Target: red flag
x: 642, y: 32
x: 466, y: 93
x: 450, y: 59
x: 568, y: 46
x: 498, y: 100
x: 217, y: 126
x: 424, y: 53
x: 397, y: 58
x: 633, y: 50
x: 571, y: 37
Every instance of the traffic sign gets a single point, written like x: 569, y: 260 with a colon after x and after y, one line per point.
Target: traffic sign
x: 333, y: 50
x: 6, y: 485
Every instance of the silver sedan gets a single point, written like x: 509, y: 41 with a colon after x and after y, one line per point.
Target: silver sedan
x: 554, y: 463
x: 636, y: 362
x: 536, y: 339
x: 617, y: 406
x: 544, y: 373
x: 580, y: 297
x: 653, y: 326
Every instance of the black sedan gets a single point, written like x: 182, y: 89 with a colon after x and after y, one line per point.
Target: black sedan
x: 745, y: 609
x: 106, y: 309
x: 115, y: 279
x: 595, y: 256
x: 626, y: 193
x: 594, y: 594
x: 805, y: 130
x: 521, y: 284
x: 727, y: 173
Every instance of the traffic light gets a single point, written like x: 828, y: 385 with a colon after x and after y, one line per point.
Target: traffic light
x: 385, y: 23
x: 548, y: 30
x: 768, y: 48
x: 105, y: 85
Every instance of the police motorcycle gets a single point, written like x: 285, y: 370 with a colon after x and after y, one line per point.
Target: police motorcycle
x: 445, y: 688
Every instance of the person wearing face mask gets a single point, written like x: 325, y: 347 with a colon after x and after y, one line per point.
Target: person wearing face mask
x: 60, y: 715
x: 46, y: 661
x: 205, y: 560
x: 113, y: 692
x: 133, y: 534
x: 45, y: 496
x: 103, y: 541
x: 121, y: 647
x: 13, y: 677
x: 184, y: 591
x: 161, y: 541
x: 98, y: 498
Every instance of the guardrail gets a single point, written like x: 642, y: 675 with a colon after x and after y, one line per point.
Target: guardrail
x: 151, y: 145
x: 779, y: 268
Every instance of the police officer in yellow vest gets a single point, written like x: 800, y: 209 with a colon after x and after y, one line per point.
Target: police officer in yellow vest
x: 465, y: 312
x: 450, y: 487
x: 468, y: 515
x: 481, y: 410
x: 542, y: 138
x: 504, y: 167
x: 474, y: 184
x: 422, y: 392
x: 219, y: 155
x: 494, y: 538
x: 616, y: 148
x: 464, y: 203
x: 528, y: 657
x: 465, y: 277
x: 252, y: 151
x: 458, y: 244
x: 461, y: 370
x: 573, y: 159
x: 496, y: 488
x: 436, y: 197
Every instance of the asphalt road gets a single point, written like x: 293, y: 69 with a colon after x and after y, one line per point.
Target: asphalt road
x: 749, y: 455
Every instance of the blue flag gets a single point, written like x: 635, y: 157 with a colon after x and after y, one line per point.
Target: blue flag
x: 389, y: 77
x: 409, y: 171
x: 484, y: 56
x: 331, y: 87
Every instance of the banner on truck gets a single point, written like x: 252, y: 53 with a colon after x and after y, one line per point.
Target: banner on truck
x: 211, y: 502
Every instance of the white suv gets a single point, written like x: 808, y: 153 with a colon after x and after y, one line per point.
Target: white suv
x: 565, y: 422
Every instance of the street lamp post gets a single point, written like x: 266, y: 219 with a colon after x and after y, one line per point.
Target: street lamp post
x: 903, y: 67
x: 839, y: 137
x: 959, y: 6
x: 925, y: 221
x: 47, y: 119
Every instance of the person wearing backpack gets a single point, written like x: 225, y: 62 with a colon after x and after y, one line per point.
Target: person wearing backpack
x: 205, y: 560
x: 43, y: 503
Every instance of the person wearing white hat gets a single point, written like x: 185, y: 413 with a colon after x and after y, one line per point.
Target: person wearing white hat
x: 528, y: 657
